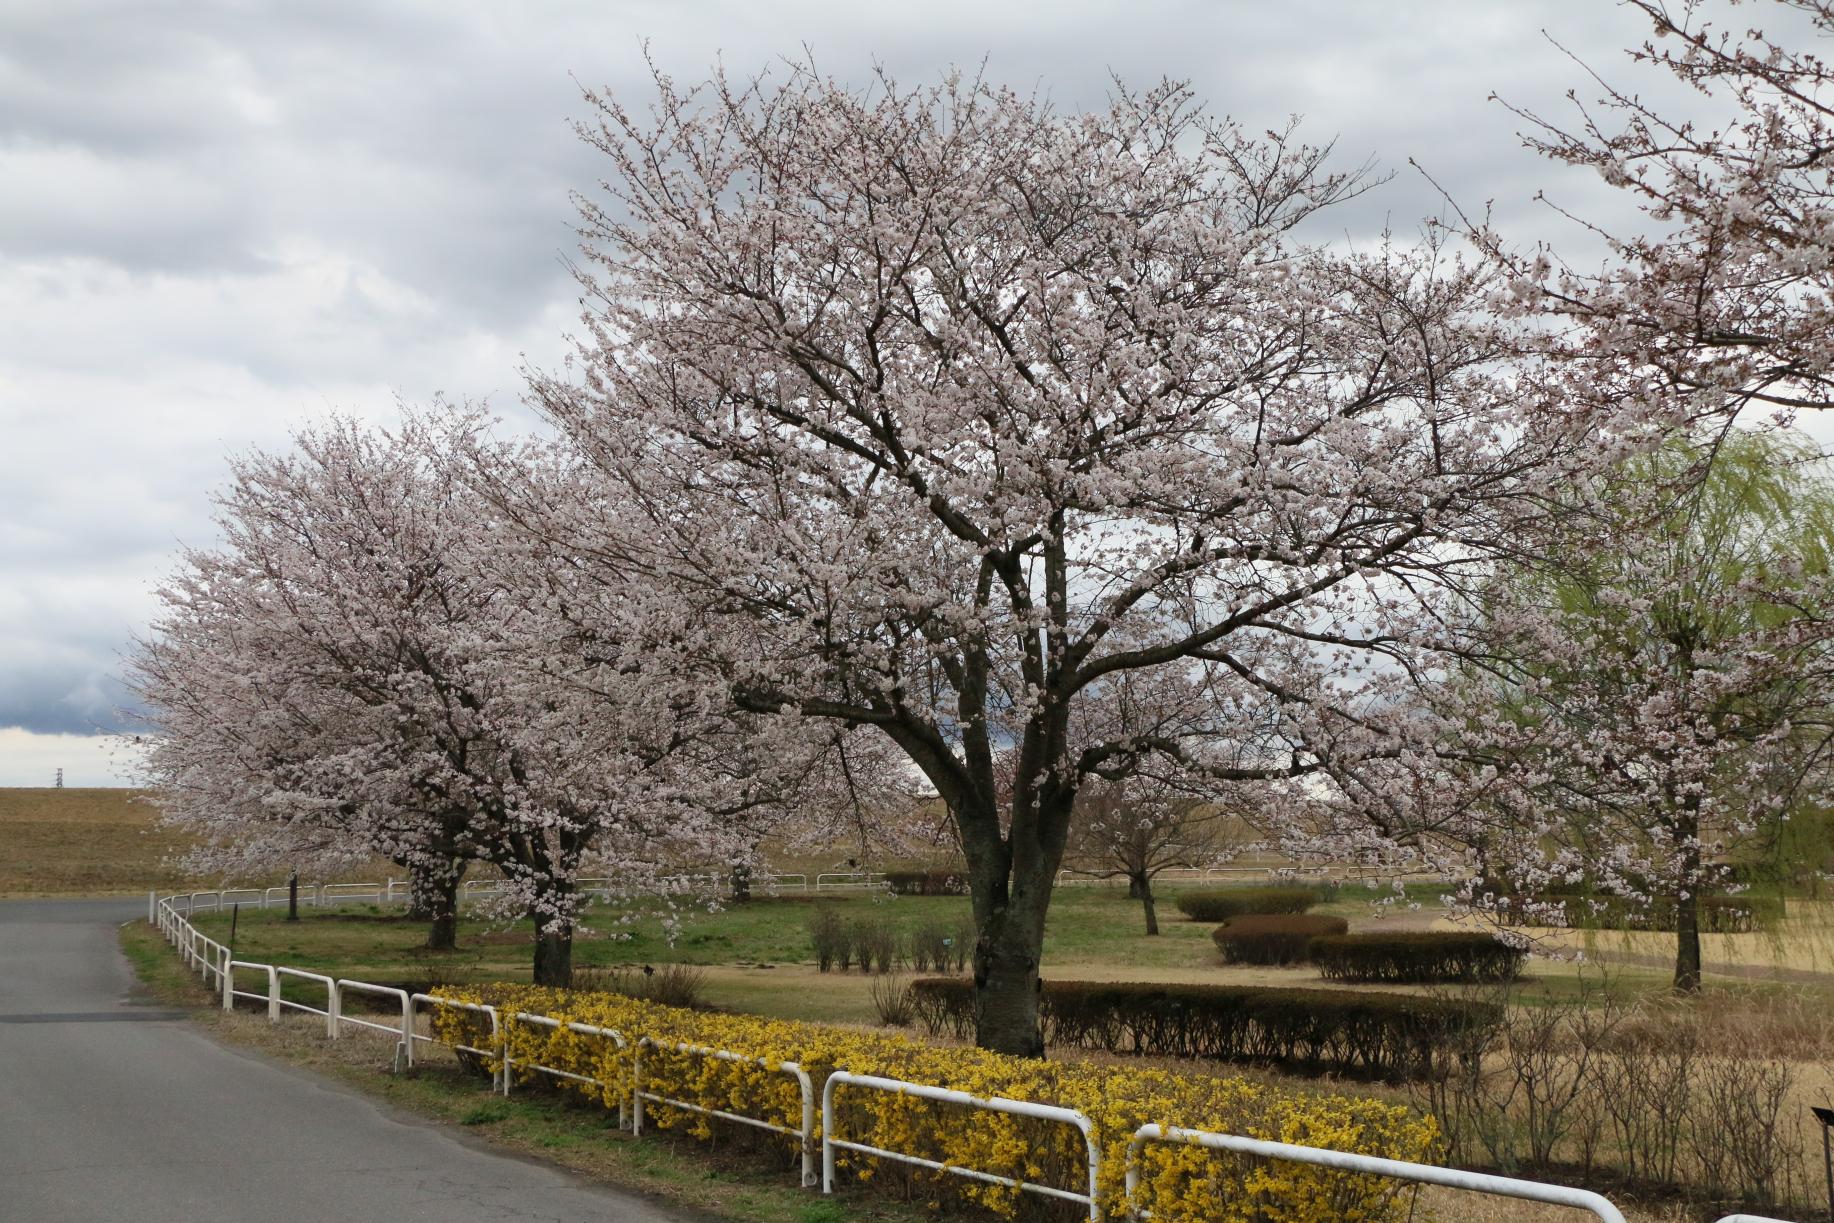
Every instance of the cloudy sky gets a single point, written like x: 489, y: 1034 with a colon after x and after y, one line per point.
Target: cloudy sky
x: 219, y: 220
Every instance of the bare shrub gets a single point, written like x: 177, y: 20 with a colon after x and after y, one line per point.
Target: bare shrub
x: 893, y: 1000
x: 875, y: 945
x: 1745, y: 1145
x: 829, y: 935
x: 1647, y: 1088
x: 681, y: 985
x: 927, y: 948
x: 962, y: 947
x: 1517, y: 1095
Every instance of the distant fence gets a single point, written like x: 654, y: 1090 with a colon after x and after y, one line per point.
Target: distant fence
x: 763, y: 883
x: 399, y: 891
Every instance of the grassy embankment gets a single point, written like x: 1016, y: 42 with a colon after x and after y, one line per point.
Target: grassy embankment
x: 77, y: 842
x: 99, y: 842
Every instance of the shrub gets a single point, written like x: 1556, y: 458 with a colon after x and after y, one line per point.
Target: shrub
x: 1179, y: 1184
x: 893, y: 1001
x: 875, y: 946
x: 1416, y: 956
x: 1308, y: 1031
x: 927, y: 883
x: 829, y: 934
x: 1598, y: 1084
x: 1221, y: 904
x: 929, y: 948
x: 1273, y: 938
x: 680, y: 985
x: 962, y: 949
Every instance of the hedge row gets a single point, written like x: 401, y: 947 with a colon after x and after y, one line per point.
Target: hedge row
x: 1307, y: 1031
x: 1178, y: 1184
x: 1221, y: 904
x: 1416, y: 956
x: 1273, y: 938
x: 927, y: 883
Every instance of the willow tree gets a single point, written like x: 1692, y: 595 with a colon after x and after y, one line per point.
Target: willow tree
x: 1641, y: 709
x: 940, y: 412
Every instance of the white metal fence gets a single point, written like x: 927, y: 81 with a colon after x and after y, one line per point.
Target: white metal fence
x: 215, y: 964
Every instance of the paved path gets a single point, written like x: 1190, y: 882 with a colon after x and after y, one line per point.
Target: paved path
x: 113, y: 1110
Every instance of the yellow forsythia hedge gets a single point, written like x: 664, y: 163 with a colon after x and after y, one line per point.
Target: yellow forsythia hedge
x: 1180, y: 1184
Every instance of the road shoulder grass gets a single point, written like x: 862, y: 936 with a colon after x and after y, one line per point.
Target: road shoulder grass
x: 577, y: 1136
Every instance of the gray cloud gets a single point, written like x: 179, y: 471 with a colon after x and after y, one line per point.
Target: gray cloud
x: 222, y: 218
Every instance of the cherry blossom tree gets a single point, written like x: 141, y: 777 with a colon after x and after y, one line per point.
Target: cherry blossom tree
x: 1141, y: 827
x: 369, y: 656
x: 1159, y: 814
x: 1645, y: 705
x: 941, y: 413
x: 1725, y: 298
x: 262, y: 742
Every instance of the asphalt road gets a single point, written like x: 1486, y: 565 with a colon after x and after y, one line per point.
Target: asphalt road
x: 112, y: 1109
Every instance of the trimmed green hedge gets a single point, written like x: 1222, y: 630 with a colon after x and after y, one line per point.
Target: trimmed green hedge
x: 1417, y: 956
x: 927, y: 883
x: 1273, y: 938
x: 1221, y: 904
x: 1357, y: 1034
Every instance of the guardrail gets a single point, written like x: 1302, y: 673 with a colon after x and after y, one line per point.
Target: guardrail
x: 1345, y: 1161
x: 583, y: 1029
x: 995, y: 1104
x: 213, y: 959
x: 805, y: 1134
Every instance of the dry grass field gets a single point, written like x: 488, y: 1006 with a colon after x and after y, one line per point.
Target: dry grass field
x: 83, y: 842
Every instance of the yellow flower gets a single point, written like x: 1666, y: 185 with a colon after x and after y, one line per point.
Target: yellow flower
x: 1179, y: 1184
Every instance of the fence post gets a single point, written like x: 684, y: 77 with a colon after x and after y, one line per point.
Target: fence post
x: 827, y: 1132
x: 636, y: 1089
x: 333, y: 1009
x: 273, y: 994
x: 808, y: 1121
x: 152, y: 907
x: 229, y: 988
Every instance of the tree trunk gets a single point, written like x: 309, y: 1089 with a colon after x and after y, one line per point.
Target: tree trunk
x: 1011, y: 871
x: 1146, y: 902
x: 1687, y: 905
x: 1687, y: 943
x: 553, y: 955
x: 1008, y: 949
x: 433, y: 898
x: 442, y: 922
x: 1137, y: 886
x: 1006, y: 994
